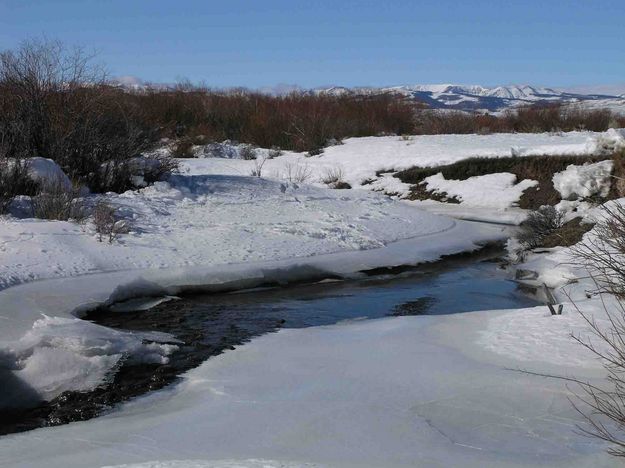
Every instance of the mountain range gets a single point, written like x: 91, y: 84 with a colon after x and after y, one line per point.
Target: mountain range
x: 472, y: 98
x: 486, y: 99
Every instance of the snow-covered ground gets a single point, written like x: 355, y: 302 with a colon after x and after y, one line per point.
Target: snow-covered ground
x: 425, y: 391
x: 400, y: 392
x: 370, y: 163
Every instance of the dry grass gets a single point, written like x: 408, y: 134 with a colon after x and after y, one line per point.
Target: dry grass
x: 420, y: 192
x: 539, y: 168
x: 297, y: 173
x: 570, y: 233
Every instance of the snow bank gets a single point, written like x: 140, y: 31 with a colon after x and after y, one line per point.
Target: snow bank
x: 584, y: 181
x: 534, y: 335
x: 203, y: 220
x: 497, y: 191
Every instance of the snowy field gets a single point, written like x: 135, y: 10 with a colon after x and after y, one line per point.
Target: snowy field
x: 369, y: 164
x: 425, y: 391
x: 361, y: 158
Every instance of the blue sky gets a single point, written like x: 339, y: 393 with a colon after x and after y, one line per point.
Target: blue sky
x: 314, y: 43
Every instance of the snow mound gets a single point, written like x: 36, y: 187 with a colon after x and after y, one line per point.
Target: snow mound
x: 584, y: 181
x: 544, y: 337
x: 45, y: 170
x: 68, y: 354
x: 195, y: 220
x: 611, y: 141
x: 491, y: 190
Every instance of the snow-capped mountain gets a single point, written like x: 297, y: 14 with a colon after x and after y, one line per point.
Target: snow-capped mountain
x: 491, y: 99
x: 439, y: 96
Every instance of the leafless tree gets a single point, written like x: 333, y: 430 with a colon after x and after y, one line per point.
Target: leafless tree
x: 56, y: 103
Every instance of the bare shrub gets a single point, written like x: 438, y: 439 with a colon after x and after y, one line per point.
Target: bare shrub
x: 603, y: 253
x: 274, y: 152
x: 334, y: 178
x: 55, y: 103
x: 533, y: 119
x: 257, y: 170
x: 55, y: 200
x: 315, y: 152
x: 14, y: 181
x: 599, y: 403
x: 107, y: 224
x: 603, y: 405
x: 157, y: 168
x: 538, y: 225
x: 183, y: 148
x: 298, y: 173
x: 248, y: 152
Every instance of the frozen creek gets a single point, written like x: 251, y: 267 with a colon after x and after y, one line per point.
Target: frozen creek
x: 204, y: 326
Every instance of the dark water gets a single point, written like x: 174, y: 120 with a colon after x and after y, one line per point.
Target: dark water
x: 209, y: 325
x: 464, y: 287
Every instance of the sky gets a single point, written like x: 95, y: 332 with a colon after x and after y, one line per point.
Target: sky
x: 313, y: 43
